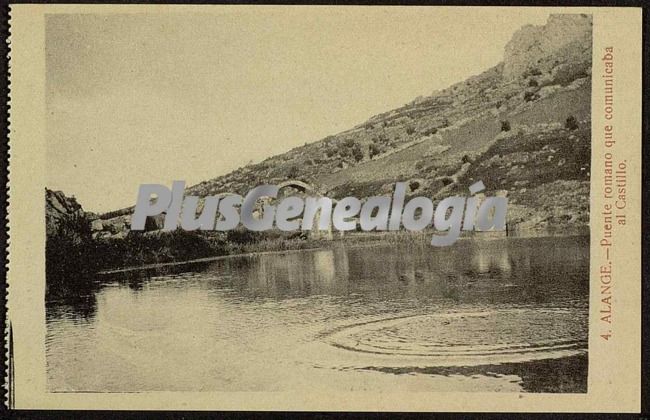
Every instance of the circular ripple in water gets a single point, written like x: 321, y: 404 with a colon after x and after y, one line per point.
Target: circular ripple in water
x: 499, y: 336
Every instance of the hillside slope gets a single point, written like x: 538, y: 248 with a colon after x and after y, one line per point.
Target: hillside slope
x: 527, y: 110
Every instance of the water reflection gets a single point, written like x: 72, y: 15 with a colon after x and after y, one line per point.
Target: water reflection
x: 250, y: 310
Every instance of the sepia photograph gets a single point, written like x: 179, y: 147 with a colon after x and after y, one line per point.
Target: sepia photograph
x: 322, y: 104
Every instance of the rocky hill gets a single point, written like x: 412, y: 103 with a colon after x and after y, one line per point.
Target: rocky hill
x: 565, y: 35
x: 522, y: 127
x: 520, y: 106
x: 59, y: 210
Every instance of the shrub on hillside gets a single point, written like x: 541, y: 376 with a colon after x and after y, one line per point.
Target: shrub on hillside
x: 414, y: 185
x: 505, y: 125
x: 357, y: 153
x: 380, y: 138
x: 534, y: 71
x: 293, y: 171
x: 571, y: 123
x: 530, y: 96
x: 374, y: 150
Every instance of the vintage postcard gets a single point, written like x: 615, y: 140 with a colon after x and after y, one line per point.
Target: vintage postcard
x: 325, y: 208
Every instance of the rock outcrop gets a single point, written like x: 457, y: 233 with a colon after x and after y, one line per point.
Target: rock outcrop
x: 566, y: 38
x: 60, y: 208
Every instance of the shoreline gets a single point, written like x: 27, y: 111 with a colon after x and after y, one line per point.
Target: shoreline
x: 356, y: 241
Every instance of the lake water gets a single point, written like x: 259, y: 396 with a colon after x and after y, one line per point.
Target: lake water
x: 499, y: 314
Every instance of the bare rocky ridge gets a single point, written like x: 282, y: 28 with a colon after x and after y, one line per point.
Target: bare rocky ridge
x: 569, y: 35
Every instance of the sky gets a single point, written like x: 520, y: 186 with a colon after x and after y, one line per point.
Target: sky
x: 167, y: 95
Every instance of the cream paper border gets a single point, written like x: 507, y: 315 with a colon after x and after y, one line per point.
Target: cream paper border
x: 614, y: 365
